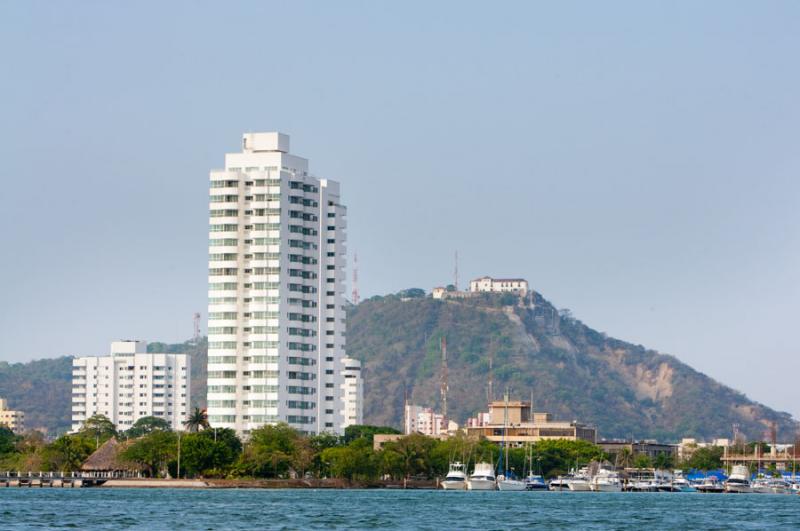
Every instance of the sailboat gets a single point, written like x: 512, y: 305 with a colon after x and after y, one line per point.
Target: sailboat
x: 506, y: 480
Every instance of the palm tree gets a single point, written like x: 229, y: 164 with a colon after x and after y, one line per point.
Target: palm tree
x: 198, y: 420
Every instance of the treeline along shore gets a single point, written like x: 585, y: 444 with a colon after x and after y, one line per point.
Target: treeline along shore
x: 279, y: 456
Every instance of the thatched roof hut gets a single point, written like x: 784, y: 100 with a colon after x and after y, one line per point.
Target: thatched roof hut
x: 106, y: 461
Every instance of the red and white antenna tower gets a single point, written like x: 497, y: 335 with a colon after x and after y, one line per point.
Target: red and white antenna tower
x: 455, y: 272
x: 355, y: 278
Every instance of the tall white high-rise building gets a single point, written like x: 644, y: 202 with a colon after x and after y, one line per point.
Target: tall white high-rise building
x: 276, y: 321
x: 130, y: 384
x: 352, y: 393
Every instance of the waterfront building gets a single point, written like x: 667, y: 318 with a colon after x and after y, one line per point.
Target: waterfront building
x: 652, y: 449
x: 514, y: 422
x: 276, y: 318
x: 352, y: 393
x: 499, y: 285
x: 130, y: 384
x: 12, y: 419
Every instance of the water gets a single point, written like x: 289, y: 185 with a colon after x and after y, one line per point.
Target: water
x: 388, y: 509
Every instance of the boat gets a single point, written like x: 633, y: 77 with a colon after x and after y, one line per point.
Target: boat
x: 482, y: 477
x: 560, y: 483
x: 456, y: 478
x: 507, y: 483
x: 771, y: 486
x: 682, y: 484
x: 641, y: 480
x: 535, y: 482
x: 710, y: 485
x: 580, y: 481
x: 739, y: 481
x: 606, y: 481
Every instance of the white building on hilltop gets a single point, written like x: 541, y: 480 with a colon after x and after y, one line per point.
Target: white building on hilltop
x: 499, y: 285
x: 276, y: 319
x: 352, y: 393
x: 130, y: 384
x: 12, y: 419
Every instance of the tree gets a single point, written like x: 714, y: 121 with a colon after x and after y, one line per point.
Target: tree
x: 357, y: 431
x: 100, y: 427
x: 209, y: 454
x: 642, y: 461
x: 198, y: 420
x: 705, y: 459
x: 664, y: 461
x: 414, y: 453
x: 357, y: 460
x: 269, y: 451
x: 146, y: 425
x: 8, y: 441
x: 154, y: 451
x: 68, y: 452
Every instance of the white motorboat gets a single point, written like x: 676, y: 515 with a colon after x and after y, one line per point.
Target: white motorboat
x: 508, y: 483
x: 710, y: 485
x: 682, y: 484
x: 606, y: 481
x: 739, y: 481
x: 456, y: 478
x: 560, y: 483
x: 771, y: 486
x: 580, y: 481
x: 482, y: 477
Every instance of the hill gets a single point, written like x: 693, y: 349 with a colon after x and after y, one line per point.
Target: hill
x: 571, y: 370
x: 42, y: 389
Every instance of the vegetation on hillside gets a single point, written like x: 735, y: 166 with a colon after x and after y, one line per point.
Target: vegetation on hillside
x: 570, y: 369
x: 42, y: 389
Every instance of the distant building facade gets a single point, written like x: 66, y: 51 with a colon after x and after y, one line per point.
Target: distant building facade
x: 651, y: 449
x: 522, y: 426
x: 12, y: 419
x: 499, y: 285
x: 130, y: 384
x: 423, y: 420
x: 352, y: 393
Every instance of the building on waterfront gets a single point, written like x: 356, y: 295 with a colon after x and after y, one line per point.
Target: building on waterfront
x: 352, y: 393
x: 12, y: 419
x: 499, y: 285
x: 689, y: 445
x: 130, y: 384
x: 652, y: 449
x: 276, y: 318
x: 523, y: 426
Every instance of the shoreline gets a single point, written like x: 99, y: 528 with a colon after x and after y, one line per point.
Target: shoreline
x: 145, y: 483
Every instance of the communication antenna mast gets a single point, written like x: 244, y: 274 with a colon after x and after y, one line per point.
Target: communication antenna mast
x: 355, y: 278
x: 455, y: 272
x: 196, y: 323
x: 444, y: 381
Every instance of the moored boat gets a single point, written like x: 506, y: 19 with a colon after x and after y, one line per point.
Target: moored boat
x: 710, y: 485
x: 535, y: 482
x: 739, y: 481
x: 482, y: 477
x: 606, y: 481
x: 509, y: 483
x: 456, y: 478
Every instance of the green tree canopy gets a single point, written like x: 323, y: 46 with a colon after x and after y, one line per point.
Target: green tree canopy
x: 146, y: 425
x: 154, y: 451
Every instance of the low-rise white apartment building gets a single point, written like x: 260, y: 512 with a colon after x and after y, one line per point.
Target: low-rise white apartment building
x: 352, y: 393
x: 423, y: 420
x: 12, y: 419
x: 130, y: 384
x: 499, y: 285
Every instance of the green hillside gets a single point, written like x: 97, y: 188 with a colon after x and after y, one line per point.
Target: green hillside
x: 42, y: 389
x: 570, y: 369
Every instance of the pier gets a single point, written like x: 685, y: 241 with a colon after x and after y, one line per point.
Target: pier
x: 72, y: 480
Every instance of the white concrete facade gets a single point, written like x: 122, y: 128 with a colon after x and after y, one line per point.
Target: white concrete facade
x: 423, y: 420
x: 130, y: 384
x: 499, y: 285
x: 12, y: 419
x: 276, y: 320
x: 352, y: 393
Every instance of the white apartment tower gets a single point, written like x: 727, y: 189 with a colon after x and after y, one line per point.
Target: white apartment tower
x: 130, y: 384
x: 352, y: 393
x: 276, y: 322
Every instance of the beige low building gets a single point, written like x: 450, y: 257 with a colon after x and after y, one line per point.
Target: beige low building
x: 522, y: 426
x: 13, y: 420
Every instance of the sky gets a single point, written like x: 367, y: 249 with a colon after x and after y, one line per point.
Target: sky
x: 637, y: 162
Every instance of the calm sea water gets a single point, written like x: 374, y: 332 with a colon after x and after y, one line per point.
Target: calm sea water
x: 385, y: 509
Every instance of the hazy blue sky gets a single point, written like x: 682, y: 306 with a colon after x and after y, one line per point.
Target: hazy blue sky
x: 638, y: 162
